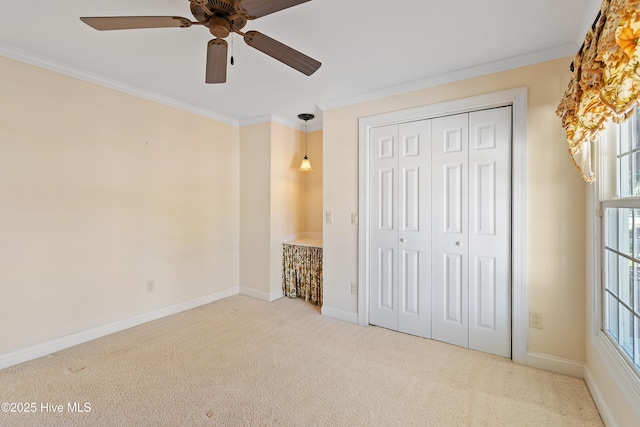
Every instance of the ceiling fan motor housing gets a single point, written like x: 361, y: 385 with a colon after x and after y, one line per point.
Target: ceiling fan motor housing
x: 225, y: 5
x: 219, y: 27
x: 220, y: 16
x: 216, y: 4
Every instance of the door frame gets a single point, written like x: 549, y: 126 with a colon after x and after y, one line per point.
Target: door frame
x: 517, y: 98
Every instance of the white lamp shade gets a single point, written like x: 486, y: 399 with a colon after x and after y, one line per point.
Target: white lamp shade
x: 305, y: 166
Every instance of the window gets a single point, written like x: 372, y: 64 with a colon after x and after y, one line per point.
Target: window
x: 621, y: 252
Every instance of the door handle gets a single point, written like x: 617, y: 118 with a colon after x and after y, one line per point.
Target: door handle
x: 459, y: 244
x: 402, y: 240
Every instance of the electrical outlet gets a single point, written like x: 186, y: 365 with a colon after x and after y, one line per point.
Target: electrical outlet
x: 354, y: 218
x: 535, y: 320
x: 354, y: 288
x: 151, y: 287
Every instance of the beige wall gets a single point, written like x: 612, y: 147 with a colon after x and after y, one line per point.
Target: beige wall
x: 313, y: 188
x: 555, y: 200
x: 255, y: 202
x: 288, y: 215
x: 101, y: 192
x: 277, y: 202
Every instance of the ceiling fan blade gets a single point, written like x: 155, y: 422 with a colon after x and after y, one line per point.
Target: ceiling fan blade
x: 134, y: 22
x: 283, y: 53
x: 217, y: 61
x: 253, y: 9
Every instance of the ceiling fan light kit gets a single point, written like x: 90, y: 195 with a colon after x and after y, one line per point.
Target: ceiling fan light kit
x: 221, y: 17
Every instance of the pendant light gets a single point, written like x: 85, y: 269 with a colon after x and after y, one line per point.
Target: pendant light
x: 305, y: 166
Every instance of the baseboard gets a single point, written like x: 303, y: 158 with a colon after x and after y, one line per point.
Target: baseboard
x: 275, y: 295
x: 621, y: 377
x: 555, y: 364
x: 39, y: 350
x: 334, y: 313
x: 264, y: 296
x: 598, y: 399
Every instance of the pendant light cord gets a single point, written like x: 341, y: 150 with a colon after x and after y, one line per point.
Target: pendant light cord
x: 306, y: 117
x: 305, y: 139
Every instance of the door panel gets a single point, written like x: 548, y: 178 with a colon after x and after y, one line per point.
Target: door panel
x: 490, y: 237
x: 484, y: 207
x: 385, y: 298
x: 450, y: 196
x: 414, y: 237
x: 411, y: 199
x: 410, y: 283
x: 386, y: 199
x: 453, y: 193
x: 383, y: 290
x: 453, y: 288
x: 485, y: 272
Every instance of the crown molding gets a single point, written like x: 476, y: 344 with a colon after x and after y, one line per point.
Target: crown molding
x: 269, y: 118
x: 566, y: 50
x: 46, y: 63
x: 272, y: 118
x: 563, y: 51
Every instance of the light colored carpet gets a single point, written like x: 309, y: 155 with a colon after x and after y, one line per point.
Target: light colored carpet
x: 241, y: 361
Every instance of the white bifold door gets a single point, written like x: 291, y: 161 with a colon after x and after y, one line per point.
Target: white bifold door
x: 440, y: 229
x: 400, y: 218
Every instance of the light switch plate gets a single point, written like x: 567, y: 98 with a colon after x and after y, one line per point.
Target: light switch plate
x: 328, y: 217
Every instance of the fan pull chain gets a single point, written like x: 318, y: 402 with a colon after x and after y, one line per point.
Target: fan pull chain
x: 231, y: 48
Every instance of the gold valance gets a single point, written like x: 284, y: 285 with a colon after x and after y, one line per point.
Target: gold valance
x: 606, y: 79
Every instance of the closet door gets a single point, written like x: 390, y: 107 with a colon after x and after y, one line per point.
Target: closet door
x: 414, y: 249
x: 450, y: 293
x: 490, y: 231
x: 400, y: 218
x: 440, y: 229
x: 472, y: 230
x: 383, y: 199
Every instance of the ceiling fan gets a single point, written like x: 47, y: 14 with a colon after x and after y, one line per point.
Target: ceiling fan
x: 221, y: 17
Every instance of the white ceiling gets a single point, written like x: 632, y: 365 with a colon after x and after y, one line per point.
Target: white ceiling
x: 368, y: 48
